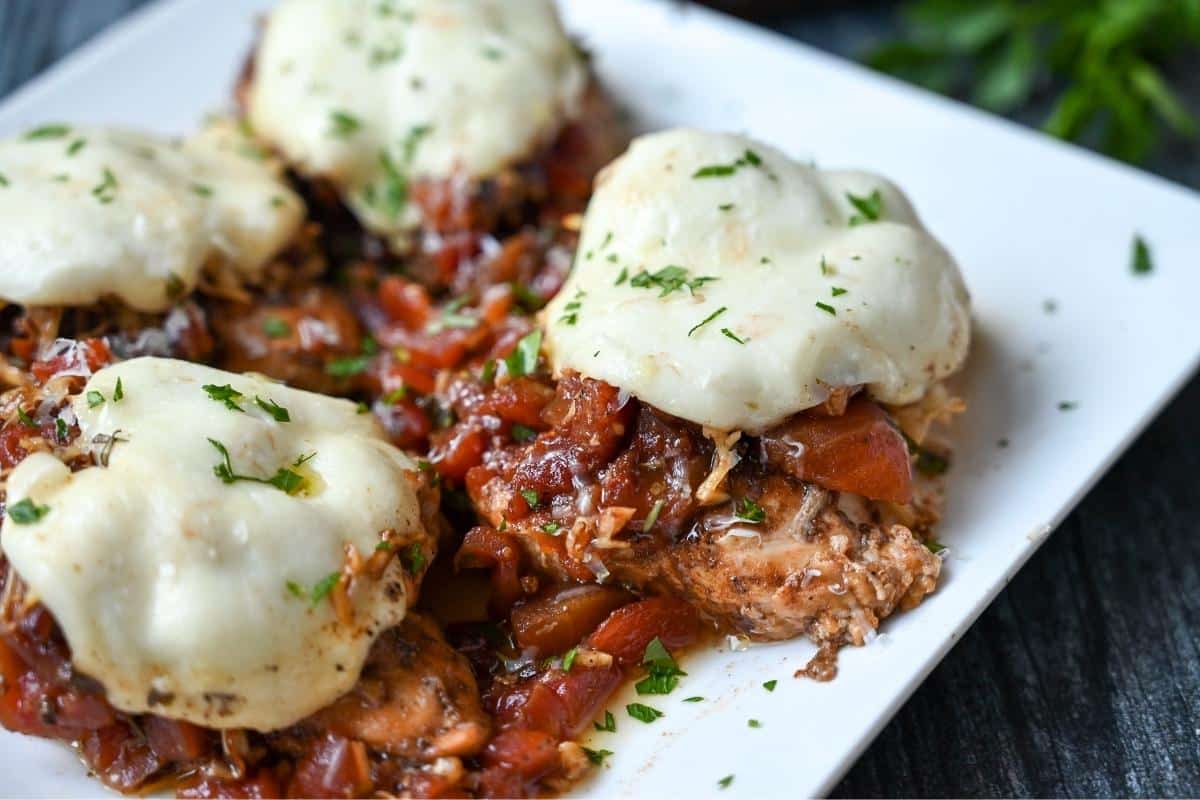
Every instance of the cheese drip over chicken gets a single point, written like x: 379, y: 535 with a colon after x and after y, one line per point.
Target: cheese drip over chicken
x: 727, y: 284
x: 375, y: 95
x: 193, y: 568
x: 91, y: 213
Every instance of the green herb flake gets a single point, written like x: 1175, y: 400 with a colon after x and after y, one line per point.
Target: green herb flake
x: 416, y: 559
x: 362, y: 408
x: 277, y: 412
x: 707, y: 320
x: 523, y: 359
x: 643, y: 713
x: 284, y: 479
x: 94, y: 399
x: 662, y: 672
x: 828, y: 309
x: 276, y: 328
x: 61, y: 430
x: 48, y: 132
x: 26, y: 512
x: 609, y: 725
x: 571, y: 310
x: 1141, y: 262
x: 75, y: 146
x: 724, y: 782
x: 753, y: 723
x: 347, y: 366
x: 749, y: 511
x: 487, y: 372
x: 838, y: 291
x: 343, y: 125
x: 935, y: 547
x: 106, y: 190
x: 569, y: 659
x: 551, y: 527
x: 4, y: 183
x: 770, y: 685
x: 202, y: 189
x: 669, y: 279
x: 597, y: 756
x: 296, y: 590
x: 622, y: 276
x: 522, y: 433
x: 224, y: 394
x: 725, y: 207
x: 531, y: 497
x: 323, y: 587
x: 1067, y: 405
x: 728, y: 334
x: 26, y: 419
x: 652, y: 517
x: 870, y: 208
x: 693, y: 699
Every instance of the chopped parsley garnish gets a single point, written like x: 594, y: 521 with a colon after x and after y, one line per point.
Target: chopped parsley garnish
x: 25, y: 419
x: 493, y: 53
x: 928, y: 462
x: 571, y: 310
x: 343, y: 125
x: 284, y: 479
x: 838, y: 291
x: 1067, y: 405
x: 748, y: 159
x: 275, y: 328
x: 118, y: 392
x: 416, y: 559
x: 608, y: 237
x: 381, y: 55
x: 106, y: 190
x: 728, y: 334
x: 934, y: 546
x: 362, y: 408
x: 278, y: 412
x: 347, y: 366
x: 825, y: 268
x: 597, y: 756
x: 753, y: 723
x: 202, y: 189
x: 725, y: 207
x: 652, y: 517
x: 693, y: 699
x: 524, y: 357
x: 522, y: 434
x: 527, y: 298
x: 828, y: 309
x: 94, y: 399
x: 622, y: 276
x: 26, y: 512
x: 610, y: 723
x: 3, y: 181
x: 569, y: 659
x: 552, y: 527
x: 224, y: 394
x: 662, y: 672
x: 531, y: 497
x: 488, y: 371
x: 323, y: 587
x: 1142, y: 263
x: 749, y: 511
x: 76, y: 146
x: 48, y: 132
x: 724, y: 782
x: 870, y: 208
x: 396, y: 395
x: 60, y: 430
x: 770, y: 685
x: 707, y: 320
x: 669, y: 279
x: 643, y: 713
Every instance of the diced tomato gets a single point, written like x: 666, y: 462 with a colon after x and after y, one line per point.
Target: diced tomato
x: 175, y: 740
x: 860, y: 451
x: 119, y: 756
x: 628, y: 630
x: 457, y: 450
x: 558, y: 620
x: 83, y: 357
x: 487, y: 547
x: 334, y: 767
x: 406, y: 302
x: 259, y: 786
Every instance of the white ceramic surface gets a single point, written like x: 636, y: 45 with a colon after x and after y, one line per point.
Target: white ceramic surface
x: 1029, y: 219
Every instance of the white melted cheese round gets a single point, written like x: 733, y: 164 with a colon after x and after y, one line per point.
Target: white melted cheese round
x: 802, y: 291
x: 92, y: 213
x: 371, y: 94
x: 181, y: 593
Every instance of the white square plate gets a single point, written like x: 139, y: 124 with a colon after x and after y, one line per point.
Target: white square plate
x: 1030, y: 219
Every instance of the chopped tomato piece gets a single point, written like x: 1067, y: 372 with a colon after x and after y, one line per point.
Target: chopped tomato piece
x: 558, y: 620
x: 499, y: 550
x: 628, y: 630
x: 860, y: 451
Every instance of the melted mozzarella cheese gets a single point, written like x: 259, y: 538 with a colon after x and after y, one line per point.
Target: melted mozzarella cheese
x: 371, y: 94
x: 178, y: 591
x: 93, y: 212
x: 776, y: 255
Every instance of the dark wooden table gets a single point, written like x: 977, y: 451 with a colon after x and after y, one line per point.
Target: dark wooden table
x: 1083, y: 679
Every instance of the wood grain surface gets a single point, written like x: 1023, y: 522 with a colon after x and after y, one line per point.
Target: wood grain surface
x: 1083, y: 679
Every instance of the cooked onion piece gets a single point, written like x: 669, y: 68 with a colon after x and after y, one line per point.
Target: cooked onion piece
x: 226, y: 561
x: 722, y: 282
x: 97, y: 212
x: 376, y: 96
